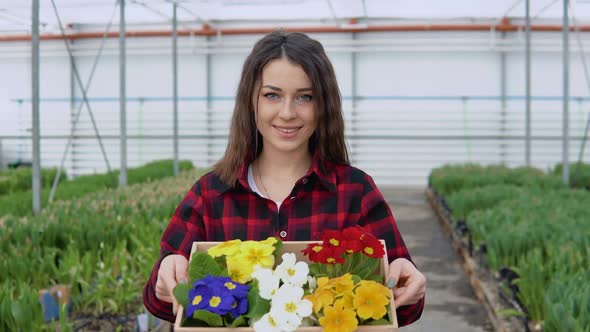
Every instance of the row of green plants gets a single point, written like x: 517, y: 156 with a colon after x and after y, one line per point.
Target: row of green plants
x: 20, y: 203
x: 579, y: 174
x: 526, y: 221
x: 20, y: 179
x: 103, y: 245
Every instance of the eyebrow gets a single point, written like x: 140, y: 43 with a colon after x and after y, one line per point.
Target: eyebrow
x: 272, y: 87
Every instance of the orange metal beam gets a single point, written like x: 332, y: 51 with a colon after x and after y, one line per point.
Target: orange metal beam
x: 503, y: 26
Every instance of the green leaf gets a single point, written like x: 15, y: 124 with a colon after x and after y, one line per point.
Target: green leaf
x: 356, y: 279
x: 376, y: 278
x: 222, y: 262
x: 380, y: 321
x: 202, y: 265
x: 239, y: 321
x: 367, y: 268
x: 209, y: 318
x: 181, y: 294
x: 257, y: 306
x: 278, y: 248
x: 19, y: 313
x: 314, y: 269
x: 509, y: 312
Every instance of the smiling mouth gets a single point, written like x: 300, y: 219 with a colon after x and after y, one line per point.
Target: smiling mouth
x: 287, y: 130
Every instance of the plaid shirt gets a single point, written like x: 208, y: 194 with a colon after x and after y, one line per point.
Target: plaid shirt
x: 214, y: 211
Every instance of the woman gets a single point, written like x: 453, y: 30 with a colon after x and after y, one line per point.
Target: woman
x: 285, y: 173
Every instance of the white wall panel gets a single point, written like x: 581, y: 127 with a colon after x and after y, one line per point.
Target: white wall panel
x: 418, y: 106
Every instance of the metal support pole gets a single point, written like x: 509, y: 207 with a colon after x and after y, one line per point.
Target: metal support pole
x: 73, y: 121
x: 354, y: 114
x: 565, y: 150
x: 209, y: 112
x: 175, y: 84
x: 584, y: 139
x: 1, y: 156
x: 528, y: 85
x: 503, y: 104
x: 35, y: 105
x: 122, y: 97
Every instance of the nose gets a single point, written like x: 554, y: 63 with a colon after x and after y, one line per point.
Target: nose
x: 288, y: 110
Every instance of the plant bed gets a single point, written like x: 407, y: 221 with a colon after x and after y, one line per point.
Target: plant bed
x: 101, y: 245
x: 19, y: 203
x: 110, y: 322
x: 105, y: 322
x: 500, y: 308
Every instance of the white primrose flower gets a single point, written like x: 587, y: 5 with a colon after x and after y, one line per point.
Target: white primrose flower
x: 286, y: 323
x: 267, y: 323
x: 292, y: 272
x: 288, y: 307
x: 312, y: 283
x: 268, y: 282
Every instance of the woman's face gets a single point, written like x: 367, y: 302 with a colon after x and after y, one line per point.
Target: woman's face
x: 287, y: 115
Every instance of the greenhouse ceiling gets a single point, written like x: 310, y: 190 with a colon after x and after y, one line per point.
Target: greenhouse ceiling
x: 15, y: 15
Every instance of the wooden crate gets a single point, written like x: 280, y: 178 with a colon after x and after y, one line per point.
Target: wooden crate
x: 294, y: 247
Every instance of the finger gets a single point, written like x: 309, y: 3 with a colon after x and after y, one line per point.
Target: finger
x: 394, y: 273
x: 170, y: 288
x: 161, y: 290
x: 167, y: 274
x: 168, y: 278
x: 181, y: 273
x: 166, y: 298
x: 181, y: 269
x: 397, y: 292
x: 164, y: 293
x: 410, y: 296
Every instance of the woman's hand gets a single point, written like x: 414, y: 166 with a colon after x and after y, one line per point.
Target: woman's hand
x: 409, y: 284
x: 173, y: 270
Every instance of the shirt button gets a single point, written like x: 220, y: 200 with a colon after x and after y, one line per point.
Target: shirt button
x: 304, y: 180
x: 292, y: 197
x: 283, y: 234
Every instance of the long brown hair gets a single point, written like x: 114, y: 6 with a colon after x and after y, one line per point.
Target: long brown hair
x: 244, y: 138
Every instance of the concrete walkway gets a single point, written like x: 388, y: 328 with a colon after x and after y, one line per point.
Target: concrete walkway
x: 451, y: 304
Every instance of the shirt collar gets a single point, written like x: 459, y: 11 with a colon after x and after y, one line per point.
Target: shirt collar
x: 327, y: 179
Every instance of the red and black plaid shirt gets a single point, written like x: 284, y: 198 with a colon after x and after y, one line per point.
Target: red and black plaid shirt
x: 214, y: 211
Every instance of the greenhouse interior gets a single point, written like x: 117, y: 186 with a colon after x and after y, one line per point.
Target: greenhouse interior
x: 461, y: 126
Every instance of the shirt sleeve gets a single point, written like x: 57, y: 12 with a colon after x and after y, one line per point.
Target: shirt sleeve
x: 185, y: 227
x: 378, y: 219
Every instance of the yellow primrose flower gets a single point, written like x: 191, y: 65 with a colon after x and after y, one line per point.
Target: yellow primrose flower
x: 255, y: 253
x: 323, y: 282
x: 239, y: 270
x: 270, y: 240
x: 321, y: 298
x: 342, y: 284
x: 381, y: 289
x: 371, y: 299
x: 338, y: 318
x: 227, y: 248
x: 347, y: 299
